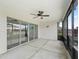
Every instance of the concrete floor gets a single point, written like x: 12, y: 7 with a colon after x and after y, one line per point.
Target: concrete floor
x: 37, y: 49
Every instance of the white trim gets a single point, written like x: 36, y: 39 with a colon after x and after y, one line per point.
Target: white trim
x: 20, y: 34
x: 28, y: 32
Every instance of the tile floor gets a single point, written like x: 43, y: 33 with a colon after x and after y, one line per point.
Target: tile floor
x: 37, y: 49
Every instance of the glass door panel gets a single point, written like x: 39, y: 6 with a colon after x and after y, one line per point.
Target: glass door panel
x: 31, y: 32
x: 36, y: 31
x: 12, y: 33
x: 70, y: 30
x: 24, y: 33
x: 76, y: 24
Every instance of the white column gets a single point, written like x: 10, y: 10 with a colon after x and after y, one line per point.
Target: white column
x: 3, y: 35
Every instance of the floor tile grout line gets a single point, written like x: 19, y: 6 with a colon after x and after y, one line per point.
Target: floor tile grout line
x: 40, y: 49
x: 51, y: 51
x: 32, y: 46
x: 37, y: 50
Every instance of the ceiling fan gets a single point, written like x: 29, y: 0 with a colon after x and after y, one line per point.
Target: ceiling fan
x: 40, y: 14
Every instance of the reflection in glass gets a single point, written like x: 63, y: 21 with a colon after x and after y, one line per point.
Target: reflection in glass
x: 36, y: 31
x: 76, y: 25
x: 70, y: 26
x: 59, y: 28
x: 65, y: 29
x: 19, y: 32
x: 31, y: 32
x: 70, y: 30
x: 24, y: 33
x: 12, y: 34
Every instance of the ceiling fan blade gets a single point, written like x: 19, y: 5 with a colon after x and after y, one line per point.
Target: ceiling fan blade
x: 45, y: 15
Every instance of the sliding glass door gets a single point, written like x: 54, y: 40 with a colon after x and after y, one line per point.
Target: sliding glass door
x: 13, y: 33
x: 24, y: 33
x: 70, y: 30
x: 36, y: 31
x: 59, y: 28
x: 19, y: 32
x: 31, y: 32
x: 76, y: 24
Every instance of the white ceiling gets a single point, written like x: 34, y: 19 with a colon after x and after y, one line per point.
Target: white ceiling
x: 21, y: 9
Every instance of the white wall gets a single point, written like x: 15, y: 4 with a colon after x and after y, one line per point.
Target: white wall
x: 48, y: 33
x: 3, y: 35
